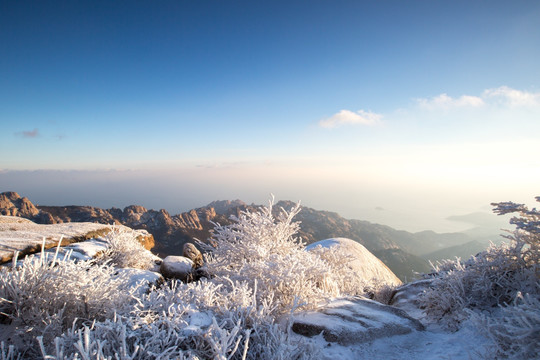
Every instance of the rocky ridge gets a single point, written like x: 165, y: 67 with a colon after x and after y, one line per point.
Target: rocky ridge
x: 400, y: 250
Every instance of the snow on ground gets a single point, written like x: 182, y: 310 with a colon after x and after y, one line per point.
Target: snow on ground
x: 430, y: 344
x: 433, y: 343
x: 89, y: 248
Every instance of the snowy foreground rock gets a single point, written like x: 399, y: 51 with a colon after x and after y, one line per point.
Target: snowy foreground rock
x: 177, y: 267
x: 354, y: 321
x: 368, y: 267
x: 26, y: 237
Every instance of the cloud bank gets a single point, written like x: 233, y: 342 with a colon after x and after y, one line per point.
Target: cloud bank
x: 444, y: 101
x: 502, y: 96
x: 513, y: 97
x: 347, y: 117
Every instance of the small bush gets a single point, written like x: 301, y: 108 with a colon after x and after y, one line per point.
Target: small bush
x: 187, y: 321
x: 125, y: 251
x: 515, y: 330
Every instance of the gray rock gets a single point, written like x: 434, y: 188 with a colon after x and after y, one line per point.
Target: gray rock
x: 408, y: 293
x: 356, y: 320
x: 177, y: 267
x: 192, y: 253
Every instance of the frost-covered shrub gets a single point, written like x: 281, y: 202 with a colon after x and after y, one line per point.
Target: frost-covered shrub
x: 9, y: 352
x: 515, y: 329
x: 43, y: 297
x: 347, y: 281
x: 125, y: 251
x: 258, y: 247
x: 491, y: 279
x: 351, y: 280
x: 187, y: 321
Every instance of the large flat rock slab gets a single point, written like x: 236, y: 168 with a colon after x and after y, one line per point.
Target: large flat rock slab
x: 27, y: 237
x: 350, y: 321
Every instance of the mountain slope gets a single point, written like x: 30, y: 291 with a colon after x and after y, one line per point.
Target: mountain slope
x: 403, y: 264
x: 463, y: 251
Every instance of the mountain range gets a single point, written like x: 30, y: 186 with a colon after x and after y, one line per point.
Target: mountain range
x: 403, y: 252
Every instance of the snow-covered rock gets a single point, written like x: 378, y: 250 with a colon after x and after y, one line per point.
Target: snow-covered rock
x: 407, y: 294
x: 48, y: 256
x: 366, y: 265
x: 141, y: 278
x: 177, y: 267
x: 354, y: 320
x: 197, y: 321
x: 27, y: 237
x: 89, y: 248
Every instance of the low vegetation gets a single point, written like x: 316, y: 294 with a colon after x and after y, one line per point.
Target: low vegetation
x: 499, y: 288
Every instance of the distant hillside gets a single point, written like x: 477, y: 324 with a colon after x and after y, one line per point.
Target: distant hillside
x: 463, y: 251
x: 403, y: 252
x: 404, y: 265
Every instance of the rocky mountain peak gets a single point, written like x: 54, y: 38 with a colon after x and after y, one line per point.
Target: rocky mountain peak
x: 13, y: 204
x: 134, y: 209
x: 207, y: 214
x: 10, y: 195
x: 222, y: 207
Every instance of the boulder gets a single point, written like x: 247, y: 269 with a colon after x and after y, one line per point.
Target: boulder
x: 367, y: 266
x: 27, y: 237
x: 356, y: 320
x: 177, y: 267
x: 192, y: 253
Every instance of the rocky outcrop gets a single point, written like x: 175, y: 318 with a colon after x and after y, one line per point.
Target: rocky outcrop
x: 353, y: 321
x: 408, y: 294
x: 27, y: 237
x: 223, y: 207
x: 192, y: 253
x: 12, y: 204
x: 172, y: 231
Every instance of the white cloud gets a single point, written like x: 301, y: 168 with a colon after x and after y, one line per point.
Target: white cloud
x: 502, y: 95
x: 347, y: 117
x: 444, y: 101
x: 513, y: 97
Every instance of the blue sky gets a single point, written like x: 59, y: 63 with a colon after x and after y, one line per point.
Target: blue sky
x: 422, y: 108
